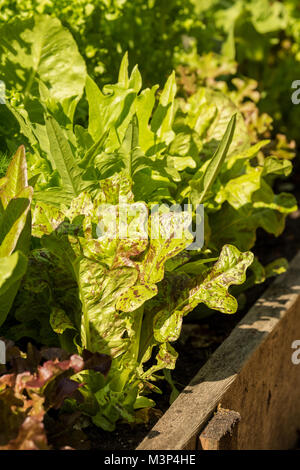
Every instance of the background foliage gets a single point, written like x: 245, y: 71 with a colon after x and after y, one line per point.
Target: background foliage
x: 262, y: 36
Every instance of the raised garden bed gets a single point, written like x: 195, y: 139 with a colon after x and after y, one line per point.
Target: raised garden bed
x: 251, y: 373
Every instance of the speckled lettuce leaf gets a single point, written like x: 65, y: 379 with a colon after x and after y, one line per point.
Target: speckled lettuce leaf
x: 163, y: 245
x: 178, y: 294
x: 102, y: 328
x: 165, y: 359
x: 135, y: 297
x: 211, y: 288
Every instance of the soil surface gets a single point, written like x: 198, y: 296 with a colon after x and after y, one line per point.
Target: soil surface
x: 200, y: 338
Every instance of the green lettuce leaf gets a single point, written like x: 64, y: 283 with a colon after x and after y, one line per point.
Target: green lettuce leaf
x: 15, y: 230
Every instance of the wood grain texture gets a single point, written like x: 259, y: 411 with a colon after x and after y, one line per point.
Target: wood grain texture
x: 251, y: 373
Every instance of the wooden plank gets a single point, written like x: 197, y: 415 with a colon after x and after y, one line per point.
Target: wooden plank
x: 221, y: 431
x: 251, y: 373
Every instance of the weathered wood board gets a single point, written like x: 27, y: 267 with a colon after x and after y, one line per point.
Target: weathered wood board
x: 221, y: 432
x: 251, y: 373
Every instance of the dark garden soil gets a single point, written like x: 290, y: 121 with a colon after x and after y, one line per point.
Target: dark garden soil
x: 200, y: 338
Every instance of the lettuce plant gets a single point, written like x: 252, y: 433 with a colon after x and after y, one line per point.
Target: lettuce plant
x: 131, y: 308
x: 130, y: 304
x: 126, y: 294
